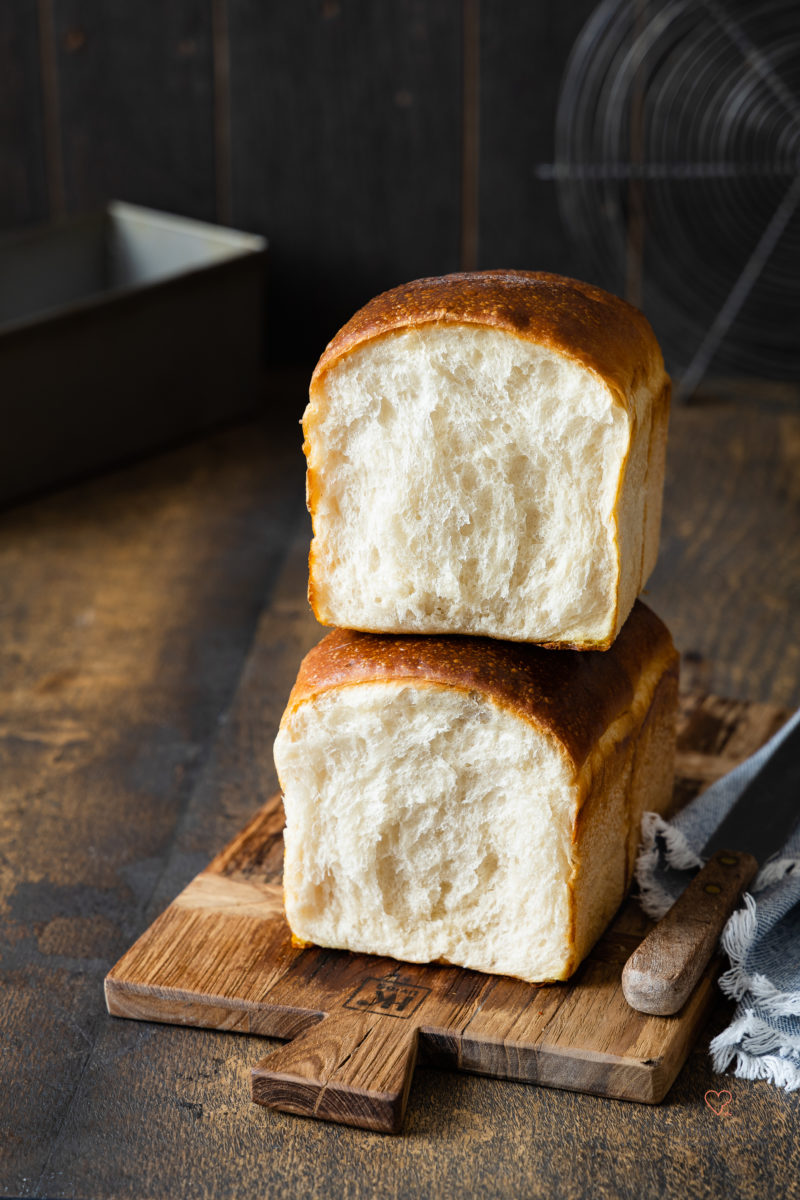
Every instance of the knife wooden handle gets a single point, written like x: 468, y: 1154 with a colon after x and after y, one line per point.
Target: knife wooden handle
x: 659, y: 977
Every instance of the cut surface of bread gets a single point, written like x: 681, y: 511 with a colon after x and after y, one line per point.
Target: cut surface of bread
x: 471, y: 801
x: 486, y: 456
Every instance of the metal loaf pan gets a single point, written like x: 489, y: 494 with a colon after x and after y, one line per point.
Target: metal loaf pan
x: 122, y: 332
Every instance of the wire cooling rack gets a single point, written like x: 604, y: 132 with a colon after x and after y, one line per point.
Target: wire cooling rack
x: 678, y: 156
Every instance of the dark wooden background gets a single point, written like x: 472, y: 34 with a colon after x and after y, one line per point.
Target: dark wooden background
x: 371, y: 142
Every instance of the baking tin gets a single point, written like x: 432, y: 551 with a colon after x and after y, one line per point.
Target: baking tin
x: 121, y: 332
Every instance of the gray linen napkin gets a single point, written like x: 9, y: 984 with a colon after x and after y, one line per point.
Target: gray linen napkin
x: 761, y: 939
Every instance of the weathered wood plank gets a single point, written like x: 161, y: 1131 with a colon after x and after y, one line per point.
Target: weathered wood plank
x: 355, y: 1069
x: 346, y: 126
x: 137, y: 104
x: 725, y: 582
x: 128, y: 605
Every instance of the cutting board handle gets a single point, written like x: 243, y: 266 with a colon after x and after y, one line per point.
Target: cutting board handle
x: 661, y: 974
x: 352, y: 1067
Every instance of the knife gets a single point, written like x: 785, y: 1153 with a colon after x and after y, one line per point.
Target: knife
x: 660, y: 975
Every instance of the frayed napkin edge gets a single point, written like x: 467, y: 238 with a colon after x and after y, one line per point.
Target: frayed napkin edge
x: 664, y: 845
x: 737, y: 938
x: 750, y: 1039
x: 751, y: 1042
x: 676, y: 852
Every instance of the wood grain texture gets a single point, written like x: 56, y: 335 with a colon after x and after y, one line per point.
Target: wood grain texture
x: 730, y: 550
x: 224, y: 943
x: 23, y: 192
x: 663, y: 971
x: 126, y: 607
x: 346, y: 126
x: 135, y: 1110
x: 136, y: 98
x: 352, y: 1069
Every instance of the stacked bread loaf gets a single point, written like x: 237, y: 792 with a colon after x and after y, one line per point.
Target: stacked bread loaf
x: 466, y: 758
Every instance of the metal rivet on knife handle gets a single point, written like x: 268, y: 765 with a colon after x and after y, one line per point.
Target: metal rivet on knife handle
x: 660, y: 975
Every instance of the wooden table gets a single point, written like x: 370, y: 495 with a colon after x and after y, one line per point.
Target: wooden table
x: 152, y: 623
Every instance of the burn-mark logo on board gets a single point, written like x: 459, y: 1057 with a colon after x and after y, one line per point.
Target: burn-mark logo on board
x: 389, y: 997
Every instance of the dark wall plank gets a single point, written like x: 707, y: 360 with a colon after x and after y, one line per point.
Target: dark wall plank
x: 524, y: 51
x: 346, y: 128
x: 23, y: 185
x: 136, y: 99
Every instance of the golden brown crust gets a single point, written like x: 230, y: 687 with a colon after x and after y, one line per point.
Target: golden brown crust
x: 586, y: 324
x: 630, y: 771
x: 577, y: 320
x: 573, y: 696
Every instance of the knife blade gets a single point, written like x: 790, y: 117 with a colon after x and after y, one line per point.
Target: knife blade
x: 661, y: 974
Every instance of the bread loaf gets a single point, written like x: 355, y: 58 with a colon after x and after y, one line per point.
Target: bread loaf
x: 486, y: 456
x: 469, y: 800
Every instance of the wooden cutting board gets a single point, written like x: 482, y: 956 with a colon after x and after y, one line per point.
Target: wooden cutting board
x: 221, y: 957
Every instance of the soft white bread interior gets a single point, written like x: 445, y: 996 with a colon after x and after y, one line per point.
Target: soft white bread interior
x: 486, y: 456
x: 472, y: 801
